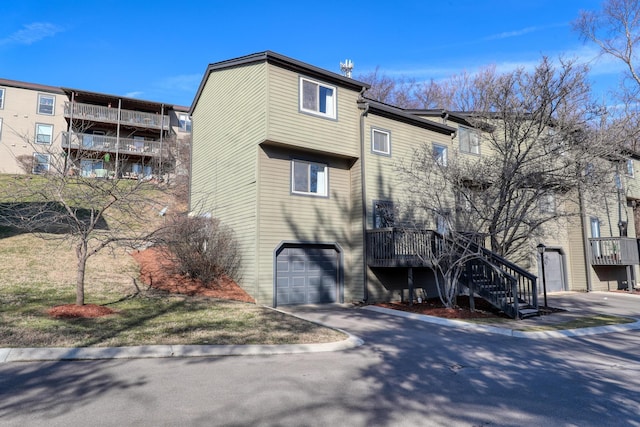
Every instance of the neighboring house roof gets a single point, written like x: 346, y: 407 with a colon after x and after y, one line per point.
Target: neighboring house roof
x: 455, y: 116
x: 127, y: 103
x: 405, y: 116
x: 284, y: 62
x: 31, y: 86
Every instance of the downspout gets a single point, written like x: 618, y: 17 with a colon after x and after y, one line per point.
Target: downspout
x: 585, y: 240
x: 363, y: 106
x: 117, y: 172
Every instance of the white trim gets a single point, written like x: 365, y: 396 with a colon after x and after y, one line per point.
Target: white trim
x: 49, y: 134
x: 53, y: 104
x: 322, y: 185
x: 387, y: 142
x: 330, y: 101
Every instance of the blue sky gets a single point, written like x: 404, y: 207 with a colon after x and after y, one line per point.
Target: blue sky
x: 159, y: 50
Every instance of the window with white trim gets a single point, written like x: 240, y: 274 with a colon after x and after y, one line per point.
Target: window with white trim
x: 381, y: 142
x: 630, y: 167
x: 1, y: 98
x: 41, y: 163
x: 309, y: 178
x: 317, y: 98
x: 185, y: 122
x: 383, y: 214
x: 469, y: 140
x: 44, y: 134
x: 46, y: 104
x: 440, y: 154
x: 547, y: 203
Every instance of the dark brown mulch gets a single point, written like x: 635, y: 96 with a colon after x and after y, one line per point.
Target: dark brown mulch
x: 434, y: 307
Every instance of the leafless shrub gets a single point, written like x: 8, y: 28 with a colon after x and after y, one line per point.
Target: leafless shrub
x: 25, y: 162
x: 202, y: 248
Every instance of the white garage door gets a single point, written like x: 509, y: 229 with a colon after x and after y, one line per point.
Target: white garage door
x: 307, y: 274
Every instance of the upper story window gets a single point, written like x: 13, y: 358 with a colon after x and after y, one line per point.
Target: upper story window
x: 317, y: 98
x: 547, y: 203
x: 309, y: 178
x: 630, y: 167
x: 185, y: 122
x: 469, y: 140
x: 44, y: 134
x: 46, y: 104
x: 440, y: 154
x: 1, y: 98
x: 381, y: 142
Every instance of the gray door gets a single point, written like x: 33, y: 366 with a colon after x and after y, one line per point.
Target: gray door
x: 553, y: 271
x: 306, y: 274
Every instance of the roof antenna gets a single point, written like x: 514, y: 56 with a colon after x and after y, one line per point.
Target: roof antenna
x: 346, y: 67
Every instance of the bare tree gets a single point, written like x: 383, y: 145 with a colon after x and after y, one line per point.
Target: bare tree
x: 90, y: 213
x: 616, y: 31
x: 398, y: 92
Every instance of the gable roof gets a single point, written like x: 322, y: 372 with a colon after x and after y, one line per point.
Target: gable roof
x: 283, y: 62
x: 30, y: 86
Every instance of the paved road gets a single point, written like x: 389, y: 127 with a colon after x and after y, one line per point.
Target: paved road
x: 407, y: 373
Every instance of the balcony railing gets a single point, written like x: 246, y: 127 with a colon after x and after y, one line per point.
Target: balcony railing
x: 98, y: 113
x: 397, y: 247
x: 111, y: 144
x: 614, y: 251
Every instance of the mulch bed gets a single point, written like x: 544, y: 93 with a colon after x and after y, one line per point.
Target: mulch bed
x: 73, y: 311
x: 434, y: 307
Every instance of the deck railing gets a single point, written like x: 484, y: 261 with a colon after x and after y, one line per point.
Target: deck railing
x: 99, y: 113
x: 111, y: 144
x: 398, y: 247
x: 613, y: 251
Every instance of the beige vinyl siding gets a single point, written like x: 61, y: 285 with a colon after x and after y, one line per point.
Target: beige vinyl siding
x: 228, y: 124
x: 287, y: 124
x: 19, y: 117
x: 294, y: 218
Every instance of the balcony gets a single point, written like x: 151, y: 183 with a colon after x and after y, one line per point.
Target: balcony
x: 613, y: 251
x: 397, y: 247
x: 98, y: 113
x: 111, y: 144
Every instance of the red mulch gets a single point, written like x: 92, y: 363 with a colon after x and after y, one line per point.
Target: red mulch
x: 72, y: 311
x: 434, y: 307
x: 157, y: 271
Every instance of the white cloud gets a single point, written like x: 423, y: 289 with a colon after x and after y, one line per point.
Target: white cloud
x: 184, y: 82
x: 508, y: 34
x: 31, y: 33
x: 134, y: 94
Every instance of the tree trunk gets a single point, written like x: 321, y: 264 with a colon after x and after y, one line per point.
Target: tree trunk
x: 81, y: 253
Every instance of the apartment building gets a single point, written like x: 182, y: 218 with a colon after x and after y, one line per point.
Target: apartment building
x: 86, y: 133
x: 303, y: 167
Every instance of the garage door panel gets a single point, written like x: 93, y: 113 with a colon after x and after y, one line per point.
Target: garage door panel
x: 311, y: 275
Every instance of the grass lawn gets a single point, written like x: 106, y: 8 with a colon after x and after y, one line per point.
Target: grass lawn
x: 37, y: 274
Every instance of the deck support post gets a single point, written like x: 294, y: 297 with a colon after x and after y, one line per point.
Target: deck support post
x: 629, y: 284
x: 410, y: 285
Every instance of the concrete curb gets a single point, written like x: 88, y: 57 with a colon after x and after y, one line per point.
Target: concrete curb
x: 165, y: 351
x: 508, y: 332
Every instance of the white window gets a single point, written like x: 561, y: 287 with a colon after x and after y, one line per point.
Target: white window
x: 630, y: 167
x: 469, y: 140
x: 547, y: 203
x: 44, y: 134
x: 185, y: 122
x: 1, y: 98
x: 46, y: 104
x: 442, y: 222
x: 440, y: 154
x: 383, y: 214
x: 380, y: 142
x: 309, y: 178
x: 317, y: 98
x: 40, y: 163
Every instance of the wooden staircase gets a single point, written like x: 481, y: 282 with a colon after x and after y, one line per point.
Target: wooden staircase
x: 502, y: 283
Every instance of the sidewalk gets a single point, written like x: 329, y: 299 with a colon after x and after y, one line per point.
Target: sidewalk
x: 577, y: 305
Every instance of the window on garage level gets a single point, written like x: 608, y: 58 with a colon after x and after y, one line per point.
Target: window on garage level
x: 309, y: 178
